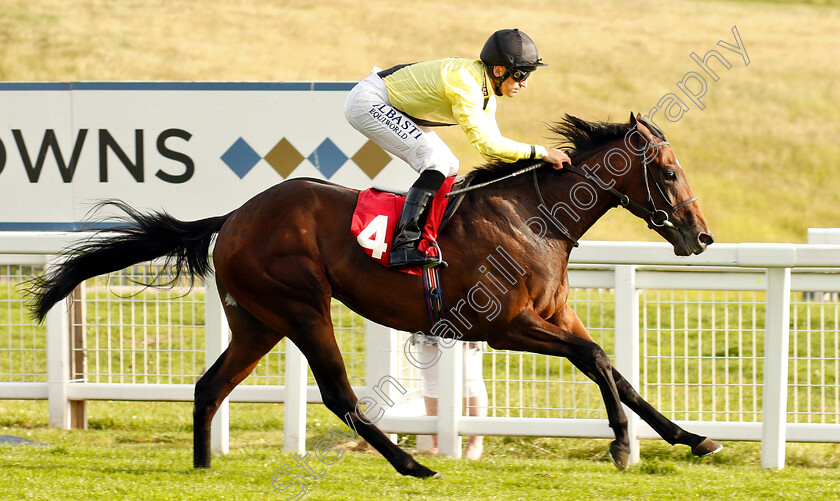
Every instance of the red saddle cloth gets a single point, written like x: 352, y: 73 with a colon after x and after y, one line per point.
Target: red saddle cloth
x: 375, y: 219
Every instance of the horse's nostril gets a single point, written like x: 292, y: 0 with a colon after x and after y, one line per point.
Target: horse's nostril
x: 706, y: 239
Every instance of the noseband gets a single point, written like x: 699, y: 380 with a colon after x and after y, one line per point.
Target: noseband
x: 656, y: 217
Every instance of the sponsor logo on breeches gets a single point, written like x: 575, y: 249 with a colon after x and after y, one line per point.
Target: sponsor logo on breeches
x: 401, y: 126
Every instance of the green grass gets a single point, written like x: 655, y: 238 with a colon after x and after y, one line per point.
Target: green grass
x: 762, y: 155
x: 142, y: 450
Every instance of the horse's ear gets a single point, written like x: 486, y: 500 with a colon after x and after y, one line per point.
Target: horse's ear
x: 632, y: 119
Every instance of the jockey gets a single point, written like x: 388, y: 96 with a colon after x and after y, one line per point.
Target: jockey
x: 396, y: 107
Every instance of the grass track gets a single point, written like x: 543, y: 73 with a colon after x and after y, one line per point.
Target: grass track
x: 143, y: 451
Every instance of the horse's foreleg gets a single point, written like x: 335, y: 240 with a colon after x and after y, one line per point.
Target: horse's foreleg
x: 666, y: 428
x: 531, y: 333
x: 598, y: 368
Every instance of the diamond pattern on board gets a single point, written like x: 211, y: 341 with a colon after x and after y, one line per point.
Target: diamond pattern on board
x: 284, y: 158
x: 241, y: 158
x: 327, y: 158
x: 371, y: 159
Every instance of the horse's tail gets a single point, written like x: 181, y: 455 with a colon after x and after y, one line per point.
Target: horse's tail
x: 143, y: 237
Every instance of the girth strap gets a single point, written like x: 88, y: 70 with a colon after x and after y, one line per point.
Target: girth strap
x: 434, y: 294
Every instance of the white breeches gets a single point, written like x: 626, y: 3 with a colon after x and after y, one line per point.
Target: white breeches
x: 369, y: 111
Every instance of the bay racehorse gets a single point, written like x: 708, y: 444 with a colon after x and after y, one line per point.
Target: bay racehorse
x: 282, y: 256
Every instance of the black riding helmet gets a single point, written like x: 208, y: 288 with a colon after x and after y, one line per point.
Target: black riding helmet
x: 512, y: 49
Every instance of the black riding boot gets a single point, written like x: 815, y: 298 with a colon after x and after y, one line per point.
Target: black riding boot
x: 404, y: 253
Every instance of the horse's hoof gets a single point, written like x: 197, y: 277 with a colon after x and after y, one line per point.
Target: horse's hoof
x: 620, y: 455
x: 706, y: 448
x: 424, y: 472
x: 420, y: 471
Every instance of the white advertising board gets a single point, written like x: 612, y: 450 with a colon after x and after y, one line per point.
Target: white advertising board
x: 195, y: 149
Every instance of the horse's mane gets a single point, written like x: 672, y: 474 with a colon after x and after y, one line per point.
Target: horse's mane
x: 577, y: 138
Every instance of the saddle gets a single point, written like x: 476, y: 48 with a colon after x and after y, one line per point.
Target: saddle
x: 375, y: 218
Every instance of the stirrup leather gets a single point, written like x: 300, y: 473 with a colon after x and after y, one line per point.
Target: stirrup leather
x: 404, y: 253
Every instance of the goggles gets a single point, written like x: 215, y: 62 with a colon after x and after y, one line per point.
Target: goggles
x: 520, y: 74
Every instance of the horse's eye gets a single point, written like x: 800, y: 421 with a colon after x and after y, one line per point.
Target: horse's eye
x: 670, y: 175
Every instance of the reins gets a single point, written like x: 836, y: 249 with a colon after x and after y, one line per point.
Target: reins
x: 531, y: 167
x: 656, y: 217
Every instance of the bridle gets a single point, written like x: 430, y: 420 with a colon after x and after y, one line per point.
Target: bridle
x: 656, y: 217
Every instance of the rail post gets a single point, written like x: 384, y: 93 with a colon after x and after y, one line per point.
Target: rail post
x: 58, y: 360
x: 450, y: 397
x: 216, y: 336
x: 381, y: 360
x: 78, y: 354
x: 294, y: 405
x: 776, y: 342
x: 627, y: 343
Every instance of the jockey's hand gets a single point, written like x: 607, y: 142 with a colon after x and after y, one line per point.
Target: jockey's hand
x: 557, y: 158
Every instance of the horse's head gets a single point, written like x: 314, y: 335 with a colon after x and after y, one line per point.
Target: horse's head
x: 659, y: 193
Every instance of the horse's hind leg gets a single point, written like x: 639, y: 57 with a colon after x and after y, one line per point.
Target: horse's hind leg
x: 328, y: 367
x: 250, y: 341
x: 312, y: 332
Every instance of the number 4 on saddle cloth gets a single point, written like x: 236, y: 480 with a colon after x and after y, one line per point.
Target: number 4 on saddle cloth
x: 375, y: 219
